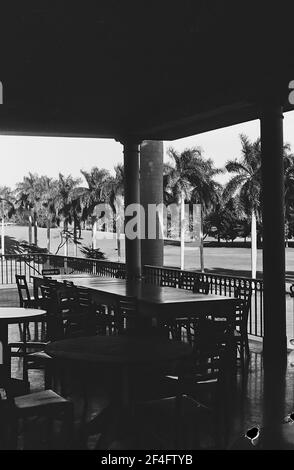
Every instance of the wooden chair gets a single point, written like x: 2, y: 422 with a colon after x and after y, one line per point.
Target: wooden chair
x: 185, y: 325
x: 242, y: 313
x: 120, y: 274
x: 201, y: 287
x: 25, y: 298
x: 26, y: 301
x: 46, y: 404
x: 196, y: 397
x: 126, y: 314
x: 38, y: 359
x: 168, y: 282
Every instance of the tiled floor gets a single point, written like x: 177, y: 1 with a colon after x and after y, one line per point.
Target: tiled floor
x: 256, y: 399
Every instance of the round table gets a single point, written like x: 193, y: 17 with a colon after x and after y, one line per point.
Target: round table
x: 122, y: 353
x: 118, y: 350
x: 10, y: 315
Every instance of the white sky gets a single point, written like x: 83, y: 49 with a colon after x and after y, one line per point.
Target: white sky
x: 50, y: 155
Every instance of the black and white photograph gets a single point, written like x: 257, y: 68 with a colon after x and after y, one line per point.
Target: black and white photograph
x: 146, y: 229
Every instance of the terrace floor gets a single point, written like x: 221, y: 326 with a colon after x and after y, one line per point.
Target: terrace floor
x: 248, y: 405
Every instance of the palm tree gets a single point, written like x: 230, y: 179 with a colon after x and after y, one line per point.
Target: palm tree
x: 7, y: 210
x: 98, y: 191
x: 29, y: 193
x: 49, y: 194
x: 63, y: 203
x: 116, y: 201
x: 245, y: 185
x: 189, y: 178
x: 289, y: 187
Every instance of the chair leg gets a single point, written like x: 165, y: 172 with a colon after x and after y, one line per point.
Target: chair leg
x: 247, y: 350
x: 178, y: 409
x: 13, y: 434
x: 25, y: 374
x: 48, y: 377
x: 20, y: 330
x: 69, y: 426
x: 36, y: 331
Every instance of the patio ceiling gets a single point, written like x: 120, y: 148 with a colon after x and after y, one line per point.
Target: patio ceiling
x: 156, y: 70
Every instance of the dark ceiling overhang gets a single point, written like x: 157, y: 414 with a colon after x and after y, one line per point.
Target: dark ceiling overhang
x: 148, y: 69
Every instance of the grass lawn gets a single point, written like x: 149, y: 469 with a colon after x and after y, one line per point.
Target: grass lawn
x: 227, y: 260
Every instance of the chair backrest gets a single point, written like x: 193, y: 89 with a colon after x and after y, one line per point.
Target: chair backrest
x: 120, y: 274
x: 244, y: 294
x: 126, y: 314
x: 167, y: 282
x: 23, y: 290
x: 213, y: 352
x: 54, y: 330
x: 201, y: 287
x: 50, y: 272
x: 186, y: 281
x: 67, y: 300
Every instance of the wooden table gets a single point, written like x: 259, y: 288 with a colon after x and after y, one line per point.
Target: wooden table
x: 121, y: 355
x: 118, y: 350
x: 10, y: 315
x: 153, y: 301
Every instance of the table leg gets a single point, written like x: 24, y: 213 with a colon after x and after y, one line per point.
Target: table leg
x: 4, y: 352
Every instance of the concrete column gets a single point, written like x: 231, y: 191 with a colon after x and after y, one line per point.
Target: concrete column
x: 132, y: 196
x: 151, y: 192
x: 275, y: 340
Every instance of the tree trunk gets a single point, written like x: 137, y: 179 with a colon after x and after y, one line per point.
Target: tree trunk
x: 30, y: 230
x: 65, y: 229
x: 286, y: 235
x: 182, y: 231
x: 48, y: 235
x: 75, y: 238
x: 253, y: 245
x: 3, y: 236
x: 94, y: 235
x: 118, y: 218
x: 35, y: 232
x: 201, y: 244
x: 118, y: 244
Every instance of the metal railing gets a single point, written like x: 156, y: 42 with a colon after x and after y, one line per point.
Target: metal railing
x: 218, y: 283
x: 31, y: 264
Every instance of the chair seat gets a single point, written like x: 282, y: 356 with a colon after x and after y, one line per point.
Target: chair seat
x: 39, y: 356
x: 29, y: 344
x: 36, y: 401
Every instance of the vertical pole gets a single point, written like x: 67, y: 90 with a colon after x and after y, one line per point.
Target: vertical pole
x: 275, y: 340
x: 182, y: 229
x: 201, y: 241
x: 151, y: 192
x: 132, y: 196
x: 3, y: 231
x: 253, y: 245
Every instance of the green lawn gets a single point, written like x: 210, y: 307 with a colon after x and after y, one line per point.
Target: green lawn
x: 228, y: 260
